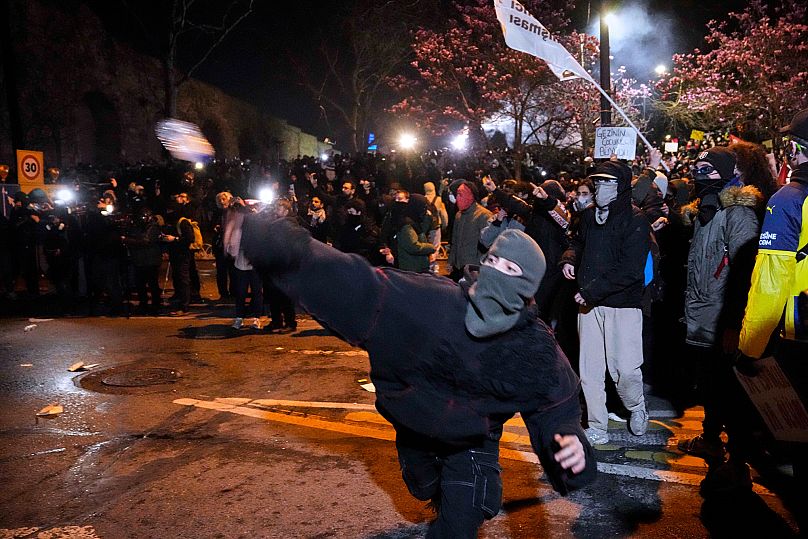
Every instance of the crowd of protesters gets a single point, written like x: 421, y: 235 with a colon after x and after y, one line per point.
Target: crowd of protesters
x: 649, y: 263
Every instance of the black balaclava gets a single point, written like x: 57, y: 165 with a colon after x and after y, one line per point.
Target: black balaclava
x: 723, y: 160
x: 496, y: 299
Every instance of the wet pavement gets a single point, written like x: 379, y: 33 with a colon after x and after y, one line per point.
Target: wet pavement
x: 188, y: 428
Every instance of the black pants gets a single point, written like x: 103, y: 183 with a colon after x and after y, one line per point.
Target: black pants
x: 464, y: 485
x: 726, y: 406
x: 281, y: 307
x: 27, y: 264
x: 105, y: 276
x: 147, y: 280
x: 181, y: 277
x: 193, y: 276
x: 225, y: 276
x: 245, y: 279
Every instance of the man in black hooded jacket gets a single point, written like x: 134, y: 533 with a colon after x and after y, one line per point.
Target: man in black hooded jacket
x: 608, y: 257
x: 446, y: 378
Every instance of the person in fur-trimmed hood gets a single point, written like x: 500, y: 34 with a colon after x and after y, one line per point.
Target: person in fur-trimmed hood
x: 720, y: 263
x: 446, y: 378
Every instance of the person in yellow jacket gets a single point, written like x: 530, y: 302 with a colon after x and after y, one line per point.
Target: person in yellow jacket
x: 781, y: 267
x: 780, y: 287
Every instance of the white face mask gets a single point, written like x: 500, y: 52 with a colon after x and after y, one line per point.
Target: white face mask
x: 605, y: 193
x: 452, y: 199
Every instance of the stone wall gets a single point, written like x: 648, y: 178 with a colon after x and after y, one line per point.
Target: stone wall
x: 84, y: 98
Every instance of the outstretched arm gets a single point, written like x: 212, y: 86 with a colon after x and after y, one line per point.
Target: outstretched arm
x: 340, y: 290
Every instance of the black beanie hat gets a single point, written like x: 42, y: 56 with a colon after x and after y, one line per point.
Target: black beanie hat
x: 722, y: 158
x: 554, y: 189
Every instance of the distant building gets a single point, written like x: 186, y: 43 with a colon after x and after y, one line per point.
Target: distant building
x: 84, y: 98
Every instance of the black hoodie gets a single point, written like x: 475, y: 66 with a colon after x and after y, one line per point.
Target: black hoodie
x: 610, y: 259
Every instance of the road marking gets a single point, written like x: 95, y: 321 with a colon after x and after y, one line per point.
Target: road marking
x: 240, y: 407
x: 64, y: 532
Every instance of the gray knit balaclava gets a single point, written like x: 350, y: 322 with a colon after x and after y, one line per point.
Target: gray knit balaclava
x: 497, y: 299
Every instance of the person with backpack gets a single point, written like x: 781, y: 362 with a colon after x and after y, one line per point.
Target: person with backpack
x: 440, y: 221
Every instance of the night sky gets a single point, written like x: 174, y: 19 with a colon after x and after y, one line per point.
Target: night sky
x: 254, y: 63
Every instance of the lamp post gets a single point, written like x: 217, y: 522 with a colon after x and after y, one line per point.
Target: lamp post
x: 605, y: 68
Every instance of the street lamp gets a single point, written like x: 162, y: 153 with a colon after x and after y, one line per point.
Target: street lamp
x: 407, y: 141
x: 605, y: 69
x: 661, y: 69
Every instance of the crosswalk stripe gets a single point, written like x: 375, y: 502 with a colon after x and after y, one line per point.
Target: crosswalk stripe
x: 246, y: 407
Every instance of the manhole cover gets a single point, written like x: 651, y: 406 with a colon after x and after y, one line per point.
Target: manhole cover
x: 140, y: 377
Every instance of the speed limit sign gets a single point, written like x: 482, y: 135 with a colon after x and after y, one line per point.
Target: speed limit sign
x: 30, y: 167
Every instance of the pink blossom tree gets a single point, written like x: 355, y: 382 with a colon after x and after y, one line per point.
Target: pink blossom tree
x: 465, y: 75
x: 752, y: 76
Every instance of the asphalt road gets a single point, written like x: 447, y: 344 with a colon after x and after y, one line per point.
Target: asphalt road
x: 187, y: 428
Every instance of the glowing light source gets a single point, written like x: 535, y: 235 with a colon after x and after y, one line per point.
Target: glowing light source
x: 199, y: 165
x: 65, y: 195
x: 324, y: 157
x: 266, y: 195
x: 407, y: 141
x: 611, y: 19
x: 661, y: 69
x: 460, y: 141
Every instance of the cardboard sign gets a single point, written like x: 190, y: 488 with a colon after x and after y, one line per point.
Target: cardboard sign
x: 776, y: 401
x: 619, y: 141
x: 30, y: 168
x: 671, y: 147
x: 697, y: 135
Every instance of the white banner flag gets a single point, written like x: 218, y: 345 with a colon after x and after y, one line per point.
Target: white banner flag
x: 524, y: 33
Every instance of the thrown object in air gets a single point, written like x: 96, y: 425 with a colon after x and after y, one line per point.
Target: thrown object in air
x: 183, y: 140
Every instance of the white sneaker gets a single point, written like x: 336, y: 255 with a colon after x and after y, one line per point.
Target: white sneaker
x: 237, y: 323
x: 256, y: 323
x: 596, y: 436
x: 614, y: 417
x: 638, y: 423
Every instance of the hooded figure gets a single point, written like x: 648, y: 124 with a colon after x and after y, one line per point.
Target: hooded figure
x: 612, y: 180
x: 446, y: 392
x: 412, y: 221
x: 498, y: 296
x: 607, y: 258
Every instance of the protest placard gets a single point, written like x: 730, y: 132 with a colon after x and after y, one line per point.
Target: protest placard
x: 619, y: 141
x: 776, y: 401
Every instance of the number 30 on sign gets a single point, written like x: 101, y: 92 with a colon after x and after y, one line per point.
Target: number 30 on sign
x: 30, y: 167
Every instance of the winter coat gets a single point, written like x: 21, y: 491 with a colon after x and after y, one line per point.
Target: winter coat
x: 717, y: 287
x: 144, y: 246
x: 610, y: 258
x: 413, y: 249
x: 466, y: 236
x: 431, y: 376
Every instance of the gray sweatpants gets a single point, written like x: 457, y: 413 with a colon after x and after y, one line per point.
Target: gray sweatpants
x: 611, y: 339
